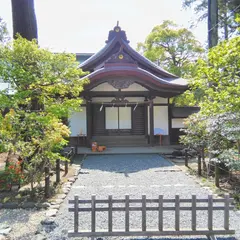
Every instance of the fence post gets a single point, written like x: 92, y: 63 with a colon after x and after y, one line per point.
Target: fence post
x: 47, y: 182
x: 226, y: 212
x: 210, y: 212
x: 177, y: 212
x: 143, y: 213
x: 160, y: 212
x: 186, y: 158
x: 76, y: 214
x: 217, y: 174
x: 66, y: 165
x: 127, y: 213
x: 110, y: 213
x: 58, y: 171
x: 72, y: 154
x: 194, y: 214
x: 199, y: 165
x: 93, y: 215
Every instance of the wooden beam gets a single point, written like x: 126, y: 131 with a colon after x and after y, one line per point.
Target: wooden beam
x: 116, y: 93
x: 165, y: 94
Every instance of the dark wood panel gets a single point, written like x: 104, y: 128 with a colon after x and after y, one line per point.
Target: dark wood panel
x: 118, y: 132
x: 138, y: 125
x: 175, y: 135
x: 98, y: 121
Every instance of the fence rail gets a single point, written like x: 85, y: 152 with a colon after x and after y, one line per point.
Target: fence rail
x: 161, y: 208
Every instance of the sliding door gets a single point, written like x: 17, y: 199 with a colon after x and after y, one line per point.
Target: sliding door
x: 118, y: 120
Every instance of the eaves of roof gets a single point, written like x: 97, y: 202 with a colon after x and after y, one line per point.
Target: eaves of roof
x: 146, y: 76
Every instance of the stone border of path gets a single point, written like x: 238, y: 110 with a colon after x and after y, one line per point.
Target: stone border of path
x: 52, y: 204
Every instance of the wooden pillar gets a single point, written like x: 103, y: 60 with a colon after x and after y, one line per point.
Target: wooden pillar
x: 146, y: 118
x: 89, y: 122
x: 151, y: 115
x: 169, y: 123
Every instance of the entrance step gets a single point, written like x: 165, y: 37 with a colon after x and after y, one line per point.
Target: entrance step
x: 121, y: 141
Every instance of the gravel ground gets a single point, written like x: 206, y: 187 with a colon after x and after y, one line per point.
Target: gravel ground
x: 23, y: 223
x: 135, y: 175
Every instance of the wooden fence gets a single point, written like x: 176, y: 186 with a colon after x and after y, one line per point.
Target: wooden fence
x: 179, y: 204
x: 69, y: 154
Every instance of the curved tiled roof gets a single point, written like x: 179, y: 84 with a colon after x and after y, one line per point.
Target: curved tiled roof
x: 117, y: 47
x: 95, y: 57
x: 118, y: 70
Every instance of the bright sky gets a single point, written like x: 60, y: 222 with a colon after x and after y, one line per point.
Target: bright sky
x: 83, y: 25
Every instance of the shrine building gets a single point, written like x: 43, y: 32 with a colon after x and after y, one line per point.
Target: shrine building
x: 127, y: 99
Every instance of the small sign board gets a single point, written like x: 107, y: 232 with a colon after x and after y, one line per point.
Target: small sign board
x: 158, y: 131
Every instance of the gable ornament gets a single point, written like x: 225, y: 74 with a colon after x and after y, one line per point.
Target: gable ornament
x: 120, y: 84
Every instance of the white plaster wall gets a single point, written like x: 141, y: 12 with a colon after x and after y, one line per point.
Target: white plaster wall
x: 102, y: 99
x: 178, y: 123
x: 134, y: 87
x: 111, y: 116
x: 105, y: 87
x: 125, y: 118
x: 160, y: 100
x: 161, y: 118
x: 78, y: 122
x: 135, y: 99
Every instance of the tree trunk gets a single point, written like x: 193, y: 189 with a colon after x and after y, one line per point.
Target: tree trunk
x: 203, y: 161
x: 225, y: 15
x: 24, y: 19
x: 212, y: 23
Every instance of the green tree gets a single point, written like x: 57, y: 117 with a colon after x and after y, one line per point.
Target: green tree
x: 174, y: 48
x: 53, y: 80
x: 227, y: 14
x: 219, y: 79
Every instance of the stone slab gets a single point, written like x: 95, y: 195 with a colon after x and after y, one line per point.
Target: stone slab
x: 51, y: 213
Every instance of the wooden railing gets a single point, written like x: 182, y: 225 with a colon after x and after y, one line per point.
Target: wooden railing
x: 209, y: 204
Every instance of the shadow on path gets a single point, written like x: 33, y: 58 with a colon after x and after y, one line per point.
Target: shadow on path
x: 127, y: 163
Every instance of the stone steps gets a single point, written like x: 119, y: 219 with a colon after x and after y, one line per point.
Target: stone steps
x: 122, y: 141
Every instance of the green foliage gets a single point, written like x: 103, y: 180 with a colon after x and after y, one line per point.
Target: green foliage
x: 217, y: 123
x: 196, y: 135
x: 177, y: 51
x: 174, y: 48
x: 231, y: 159
x: 219, y: 79
x: 2, y: 147
x: 35, y: 73
x: 45, y: 88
